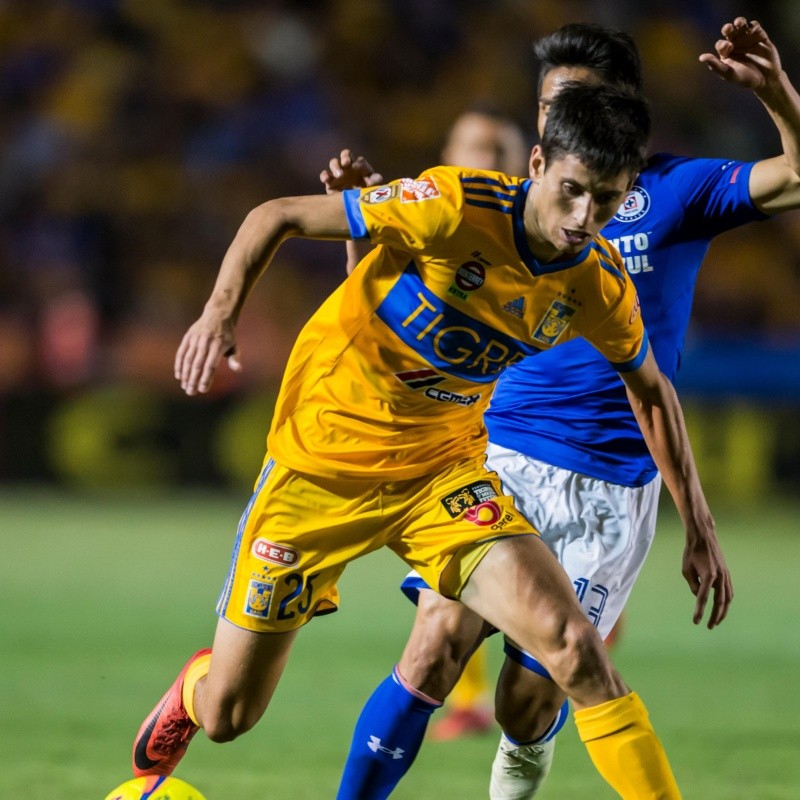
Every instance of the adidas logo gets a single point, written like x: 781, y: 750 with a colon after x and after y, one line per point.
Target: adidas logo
x: 515, y: 307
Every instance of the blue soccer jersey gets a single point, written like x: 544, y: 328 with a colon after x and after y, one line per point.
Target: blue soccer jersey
x: 567, y: 407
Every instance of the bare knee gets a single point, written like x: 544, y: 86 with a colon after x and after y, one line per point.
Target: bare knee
x: 228, y: 721
x: 245, y: 669
x: 444, y: 636
x: 224, y: 715
x: 578, y: 661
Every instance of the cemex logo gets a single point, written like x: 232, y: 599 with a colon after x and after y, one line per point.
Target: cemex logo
x: 428, y: 378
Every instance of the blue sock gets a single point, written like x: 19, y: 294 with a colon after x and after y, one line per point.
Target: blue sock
x: 555, y: 727
x: 529, y: 662
x: 386, y: 741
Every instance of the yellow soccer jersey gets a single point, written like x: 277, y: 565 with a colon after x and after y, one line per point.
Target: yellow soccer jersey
x: 392, y: 374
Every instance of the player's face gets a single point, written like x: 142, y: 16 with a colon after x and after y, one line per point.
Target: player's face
x: 480, y: 142
x: 555, y: 80
x: 569, y: 204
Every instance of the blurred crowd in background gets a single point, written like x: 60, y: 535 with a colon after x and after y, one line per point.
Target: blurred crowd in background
x: 135, y: 135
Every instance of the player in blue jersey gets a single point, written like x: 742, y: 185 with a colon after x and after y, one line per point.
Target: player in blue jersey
x: 561, y: 435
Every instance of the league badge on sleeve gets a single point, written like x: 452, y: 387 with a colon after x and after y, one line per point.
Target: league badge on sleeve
x: 380, y: 194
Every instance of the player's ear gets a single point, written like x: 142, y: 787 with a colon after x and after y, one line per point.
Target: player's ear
x: 536, y: 163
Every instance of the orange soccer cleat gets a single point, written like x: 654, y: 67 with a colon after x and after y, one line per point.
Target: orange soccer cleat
x: 166, y: 732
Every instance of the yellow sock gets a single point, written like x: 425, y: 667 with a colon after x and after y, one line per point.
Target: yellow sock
x: 472, y: 686
x: 197, y: 669
x: 625, y: 749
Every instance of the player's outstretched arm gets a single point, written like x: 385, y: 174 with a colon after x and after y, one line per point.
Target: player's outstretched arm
x: 658, y: 411
x: 212, y: 337
x: 746, y: 57
x: 346, y: 172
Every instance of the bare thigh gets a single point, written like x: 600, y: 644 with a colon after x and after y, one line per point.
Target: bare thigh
x: 520, y: 588
x: 244, y: 671
x: 445, y: 634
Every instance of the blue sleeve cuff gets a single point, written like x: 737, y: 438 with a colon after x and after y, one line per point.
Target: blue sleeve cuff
x: 635, y: 362
x: 355, y: 219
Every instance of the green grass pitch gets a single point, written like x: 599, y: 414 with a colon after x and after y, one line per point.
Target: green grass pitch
x: 102, y: 600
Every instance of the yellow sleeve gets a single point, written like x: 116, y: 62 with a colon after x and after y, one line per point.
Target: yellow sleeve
x: 409, y: 213
x: 619, y: 334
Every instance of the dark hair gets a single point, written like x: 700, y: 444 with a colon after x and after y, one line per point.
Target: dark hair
x: 606, y: 127
x: 611, y: 52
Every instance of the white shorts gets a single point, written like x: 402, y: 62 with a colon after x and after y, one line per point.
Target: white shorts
x: 600, y: 532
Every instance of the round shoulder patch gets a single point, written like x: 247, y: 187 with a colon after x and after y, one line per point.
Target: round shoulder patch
x: 634, y: 206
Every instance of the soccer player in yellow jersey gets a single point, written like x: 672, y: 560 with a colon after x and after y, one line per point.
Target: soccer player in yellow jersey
x: 378, y: 439
x: 480, y: 138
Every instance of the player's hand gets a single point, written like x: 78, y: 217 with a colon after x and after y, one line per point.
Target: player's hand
x: 346, y: 172
x: 706, y: 573
x: 209, y: 340
x: 745, y: 55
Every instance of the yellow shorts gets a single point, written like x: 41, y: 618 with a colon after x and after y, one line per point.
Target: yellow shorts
x: 298, y: 532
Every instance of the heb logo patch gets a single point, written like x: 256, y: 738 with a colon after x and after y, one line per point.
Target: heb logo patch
x: 414, y: 190
x: 276, y: 553
x: 474, y: 494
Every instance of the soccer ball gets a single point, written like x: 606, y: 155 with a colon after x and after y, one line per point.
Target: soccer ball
x: 155, y: 787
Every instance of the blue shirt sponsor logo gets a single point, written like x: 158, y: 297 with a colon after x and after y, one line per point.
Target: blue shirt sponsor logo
x: 633, y: 249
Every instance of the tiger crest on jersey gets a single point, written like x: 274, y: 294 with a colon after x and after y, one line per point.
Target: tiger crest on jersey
x: 554, y: 322
x: 467, y: 497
